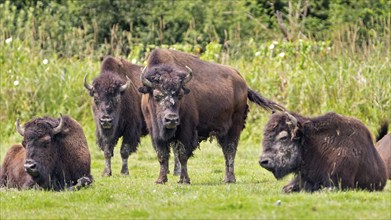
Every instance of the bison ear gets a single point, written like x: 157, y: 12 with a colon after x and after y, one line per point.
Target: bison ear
x: 185, y: 90
x: 144, y: 89
x: 296, y: 131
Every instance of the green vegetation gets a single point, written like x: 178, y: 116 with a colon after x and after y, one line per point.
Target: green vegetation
x: 337, y: 59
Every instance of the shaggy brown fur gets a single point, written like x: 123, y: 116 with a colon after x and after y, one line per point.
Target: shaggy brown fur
x: 185, y: 108
x: 117, y: 113
x: 60, y: 159
x: 326, y: 151
x: 12, y: 172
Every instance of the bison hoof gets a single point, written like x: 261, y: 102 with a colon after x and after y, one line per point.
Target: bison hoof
x: 161, y: 181
x: 184, y: 181
x: 230, y: 180
x: 106, y: 173
x: 290, y: 188
x: 125, y: 172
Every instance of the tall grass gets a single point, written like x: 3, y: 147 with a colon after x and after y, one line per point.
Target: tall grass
x: 348, y: 75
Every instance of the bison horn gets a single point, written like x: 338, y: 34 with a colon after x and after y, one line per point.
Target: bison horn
x: 88, y: 87
x: 127, y: 84
x: 144, y: 80
x: 292, y: 118
x: 189, y: 76
x: 58, y: 129
x: 18, y: 128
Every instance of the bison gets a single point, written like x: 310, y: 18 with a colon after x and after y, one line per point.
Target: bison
x: 383, y: 146
x: 12, y: 172
x: 188, y: 100
x: 57, y: 155
x: 329, y: 151
x: 117, y: 110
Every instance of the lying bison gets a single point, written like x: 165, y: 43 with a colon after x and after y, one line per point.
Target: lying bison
x: 12, y: 172
x: 117, y: 109
x: 383, y: 146
x: 326, y: 151
x: 57, y: 155
x: 188, y: 100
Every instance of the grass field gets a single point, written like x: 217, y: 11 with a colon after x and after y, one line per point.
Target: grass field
x: 254, y: 196
x: 310, y: 78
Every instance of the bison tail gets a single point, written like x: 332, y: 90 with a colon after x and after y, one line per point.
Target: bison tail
x: 265, y: 103
x: 382, y: 131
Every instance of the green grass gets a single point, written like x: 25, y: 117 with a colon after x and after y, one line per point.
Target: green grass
x: 137, y: 196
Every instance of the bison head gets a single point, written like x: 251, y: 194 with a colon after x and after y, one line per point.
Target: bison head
x: 166, y: 88
x: 107, y: 91
x: 281, y: 145
x: 40, y: 138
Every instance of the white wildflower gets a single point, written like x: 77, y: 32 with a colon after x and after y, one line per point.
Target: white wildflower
x: 134, y: 61
x: 275, y: 42
x: 8, y: 40
x: 271, y: 47
x: 45, y: 61
x: 257, y: 53
x: 282, y: 54
x: 16, y: 83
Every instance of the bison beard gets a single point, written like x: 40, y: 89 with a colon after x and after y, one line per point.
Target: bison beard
x: 188, y: 100
x: 326, y: 151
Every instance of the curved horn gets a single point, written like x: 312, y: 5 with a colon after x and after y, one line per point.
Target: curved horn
x: 144, y: 80
x: 126, y: 85
x: 18, y: 128
x: 88, y: 87
x: 292, y: 118
x: 189, y: 76
x: 58, y: 129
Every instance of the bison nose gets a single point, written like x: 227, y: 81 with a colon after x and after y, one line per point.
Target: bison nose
x: 31, y: 167
x: 171, y: 121
x: 266, y: 163
x: 105, y: 121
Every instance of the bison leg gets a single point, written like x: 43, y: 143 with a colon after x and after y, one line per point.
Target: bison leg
x: 229, y: 145
x: 292, y: 186
x: 108, y: 154
x: 125, y: 152
x: 183, y: 157
x: 229, y: 155
x: 163, y: 154
x: 177, y: 165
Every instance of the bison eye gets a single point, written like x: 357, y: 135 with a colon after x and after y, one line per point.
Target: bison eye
x: 97, y: 101
x: 158, y: 97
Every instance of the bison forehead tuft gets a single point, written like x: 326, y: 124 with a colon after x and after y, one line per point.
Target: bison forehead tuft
x: 108, y: 83
x: 39, y: 127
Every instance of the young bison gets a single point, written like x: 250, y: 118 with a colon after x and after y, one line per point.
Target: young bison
x: 326, y: 151
x: 12, y: 172
x: 57, y: 154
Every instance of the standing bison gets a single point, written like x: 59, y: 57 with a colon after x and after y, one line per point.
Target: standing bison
x: 117, y: 110
x: 326, y: 151
x: 383, y: 146
x: 57, y: 155
x: 12, y: 172
x: 188, y: 100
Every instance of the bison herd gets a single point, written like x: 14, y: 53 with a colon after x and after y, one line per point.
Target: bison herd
x: 180, y: 101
